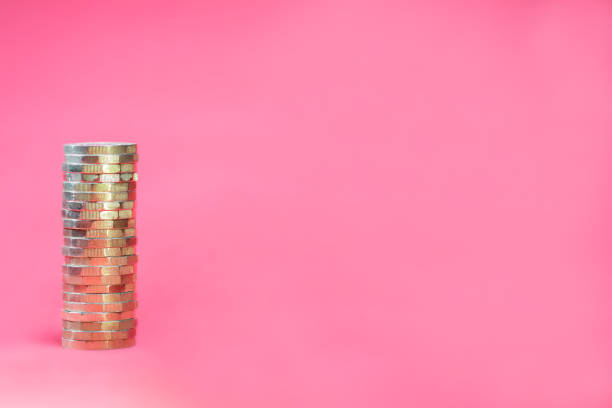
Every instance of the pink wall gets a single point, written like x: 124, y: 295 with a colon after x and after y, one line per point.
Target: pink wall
x: 348, y: 204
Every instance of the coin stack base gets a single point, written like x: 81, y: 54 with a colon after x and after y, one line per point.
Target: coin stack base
x: 99, y: 271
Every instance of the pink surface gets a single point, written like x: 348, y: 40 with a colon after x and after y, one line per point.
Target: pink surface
x: 342, y: 204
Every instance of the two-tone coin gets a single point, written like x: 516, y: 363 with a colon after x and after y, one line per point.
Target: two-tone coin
x: 118, y: 196
x: 99, y: 270
x: 128, y: 287
x: 100, y: 178
x: 74, y: 186
x: 98, y: 215
x: 99, y: 168
x: 100, y: 243
x: 99, y: 297
x: 100, y: 326
x: 100, y: 233
x: 101, y: 158
x: 98, y: 335
x: 100, y: 148
x: 98, y: 345
x: 97, y: 205
x: 116, y: 307
x: 96, y: 316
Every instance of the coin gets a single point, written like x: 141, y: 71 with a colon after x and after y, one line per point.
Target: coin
x: 100, y: 178
x: 99, y: 168
x: 96, y: 316
x: 100, y: 233
x: 99, y: 280
x: 98, y: 270
x: 100, y: 158
x: 100, y: 243
x: 99, y: 224
x: 99, y: 297
x: 98, y: 345
x: 74, y: 186
x: 100, y: 148
x: 98, y: 335
x: 97, y: 326
x: 97, y: 205
x: 98, y: 215
x: 128, y: 287
x: 101, y: 261
x: 118, y: 196
x: 115, y: 307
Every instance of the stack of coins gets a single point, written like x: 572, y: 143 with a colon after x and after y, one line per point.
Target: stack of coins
x: 99, y: 273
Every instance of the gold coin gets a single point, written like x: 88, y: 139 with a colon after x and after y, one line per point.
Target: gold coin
x: 99, y: 280
x: 100, y: 148
x: 74, y: 186
x: 101, y: 261
x: 98, y: 215
x: 100, y: 178
x: 98, y: 252
x: 99, y: 297
x: 99, y: 224
x: 100, y: 158
x: 98, y: 270
x: 96, y: 316
x: 98, y: 345
x: 100, y: 233
x: 96, y: 326
x: 100, y: 307
x: 128, y: 287
x: 99, y: 168
x: 97, y: 205
x: 98, y: 335
x: 118, y: 196
x: 100, y: 243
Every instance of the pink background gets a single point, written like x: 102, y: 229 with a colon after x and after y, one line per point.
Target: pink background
x: 342, y: 204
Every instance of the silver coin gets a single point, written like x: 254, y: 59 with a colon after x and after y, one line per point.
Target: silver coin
x: 101, y: 178
x: 100, y: 148
x: 98, y: 215
x: 100, y: 158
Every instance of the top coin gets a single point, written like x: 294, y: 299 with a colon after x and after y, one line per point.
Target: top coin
x: 100, y: 158
x: 100, y: 148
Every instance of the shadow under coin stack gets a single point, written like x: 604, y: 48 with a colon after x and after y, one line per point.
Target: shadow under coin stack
x: 99, y: 273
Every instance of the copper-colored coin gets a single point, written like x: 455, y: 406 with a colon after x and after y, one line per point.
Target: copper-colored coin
x: 76, y: 186
x: 97, y: 205
x: 100, y: 148
x: 99, y: 297
x: 99, y: 168
x: 98, y: 270
x: 98, y: 345
x: 119, y: 196
x: 101, y: 158
x: 100, y: 233
x: 128, y: 287
x: 98, y: 252
x: 100, y: 178
x: 96, y: 317
x: 97, y: 326
x: 99, y: 335
x: 98, y: 215
x: 99, y: 307
x: 99, y: 280
x: 100, y: 243
x: 105, y: 261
